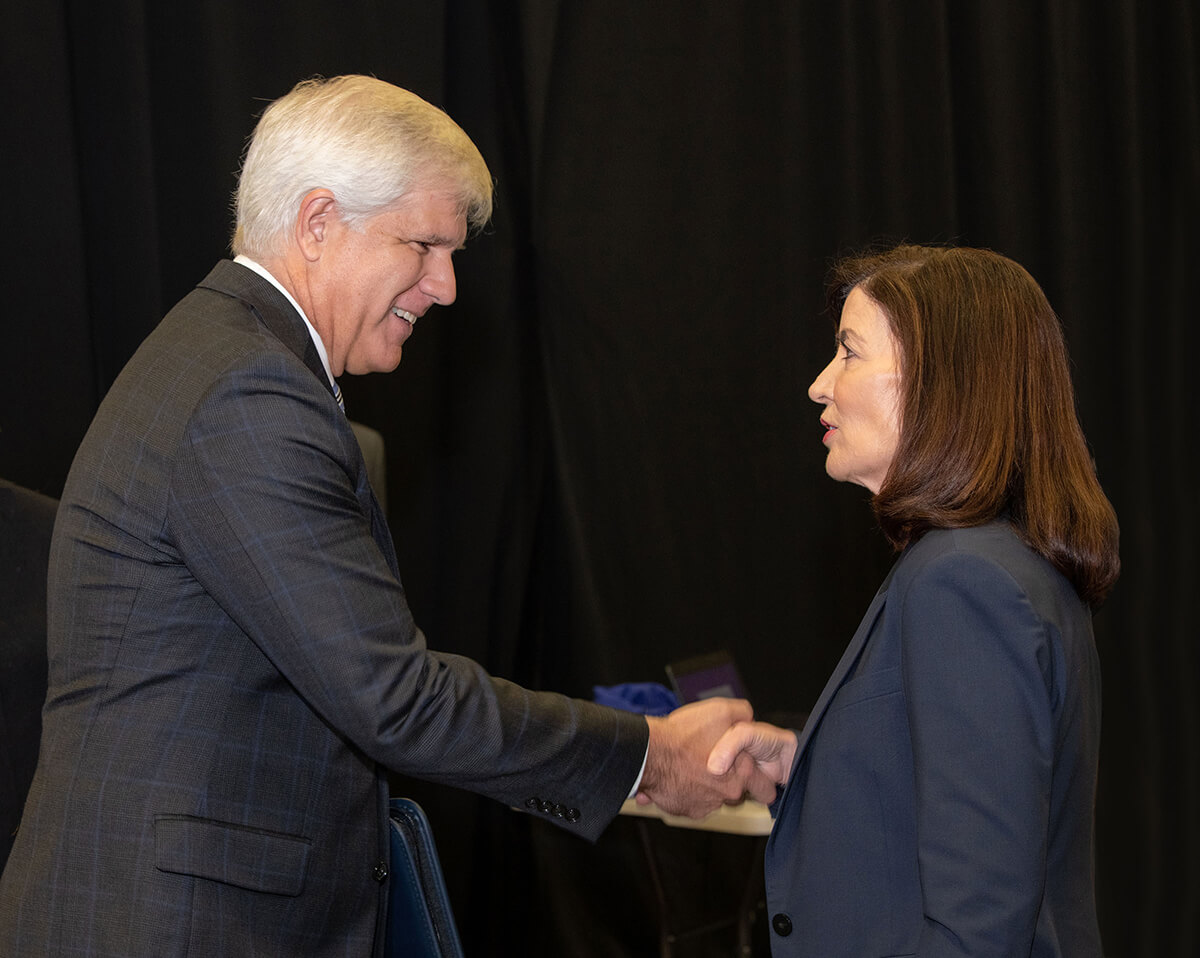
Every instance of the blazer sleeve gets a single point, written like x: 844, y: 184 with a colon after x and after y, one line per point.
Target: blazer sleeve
x: 264, y: 510
x: 978, y: 673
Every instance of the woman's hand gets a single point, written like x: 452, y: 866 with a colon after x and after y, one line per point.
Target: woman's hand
x: 771, y: 748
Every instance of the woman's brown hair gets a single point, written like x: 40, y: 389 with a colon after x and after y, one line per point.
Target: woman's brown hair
x: 988, y: 420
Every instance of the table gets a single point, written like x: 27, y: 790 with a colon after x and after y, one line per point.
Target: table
x: 751, y: 819
x: 748, y: 818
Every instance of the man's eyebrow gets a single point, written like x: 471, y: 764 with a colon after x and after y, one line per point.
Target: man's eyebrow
x: 435, y: 239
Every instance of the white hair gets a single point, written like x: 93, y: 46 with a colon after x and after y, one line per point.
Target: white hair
x: 366, y: 141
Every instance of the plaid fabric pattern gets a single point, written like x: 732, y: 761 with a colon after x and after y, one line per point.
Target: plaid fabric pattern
x: 233, y: 663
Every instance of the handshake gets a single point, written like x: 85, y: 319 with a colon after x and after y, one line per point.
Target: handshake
x: 711, y: 753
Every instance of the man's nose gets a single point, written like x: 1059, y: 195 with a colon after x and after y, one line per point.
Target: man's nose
x: 438, y: 281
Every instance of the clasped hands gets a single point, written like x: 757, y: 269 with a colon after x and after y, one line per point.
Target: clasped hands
x: 711, y: 753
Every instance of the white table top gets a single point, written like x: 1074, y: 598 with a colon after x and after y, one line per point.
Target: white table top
x: 748, y: 818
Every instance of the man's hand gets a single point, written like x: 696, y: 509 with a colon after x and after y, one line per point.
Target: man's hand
x: 771, y: 749
x: 677, y: 776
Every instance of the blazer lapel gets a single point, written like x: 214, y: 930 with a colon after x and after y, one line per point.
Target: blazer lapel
x: 280, y: 317
x: 272, y: 309
x: 845, y: 664
x: 843, y: 668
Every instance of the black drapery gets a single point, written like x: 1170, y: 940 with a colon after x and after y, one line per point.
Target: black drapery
x: 602, y: 458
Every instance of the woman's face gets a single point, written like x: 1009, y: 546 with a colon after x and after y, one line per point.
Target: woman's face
x: 860, y: 390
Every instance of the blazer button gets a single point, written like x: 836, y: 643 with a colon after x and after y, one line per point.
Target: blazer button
x: 547, y: 808
x: 782, y: 925
x: 533, y: 804
x: 572, y: 815
x: 380, y: 872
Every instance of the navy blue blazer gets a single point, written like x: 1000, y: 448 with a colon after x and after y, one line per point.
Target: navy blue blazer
x: 941, y: 800
x: 233, y: 666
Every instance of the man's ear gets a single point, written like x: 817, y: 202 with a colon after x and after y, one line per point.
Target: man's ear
x: 316, y: 215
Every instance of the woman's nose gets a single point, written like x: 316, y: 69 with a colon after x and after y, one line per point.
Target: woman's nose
x: 822, y: 387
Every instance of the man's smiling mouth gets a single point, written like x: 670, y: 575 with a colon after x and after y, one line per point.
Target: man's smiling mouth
x: 405, y: 315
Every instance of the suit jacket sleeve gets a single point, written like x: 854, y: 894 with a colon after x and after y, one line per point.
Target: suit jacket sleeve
x: 267, y: 512
x: 983, y: 662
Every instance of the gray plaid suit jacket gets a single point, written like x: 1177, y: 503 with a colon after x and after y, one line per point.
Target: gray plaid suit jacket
x: 233, y: 665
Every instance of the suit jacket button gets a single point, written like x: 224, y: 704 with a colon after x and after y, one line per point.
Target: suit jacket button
x: 560, y: 811
x: 380, y: 872
x: 547, y: 808
x: 533, y: 804
x: 782, y: 925
x: 572, y: 815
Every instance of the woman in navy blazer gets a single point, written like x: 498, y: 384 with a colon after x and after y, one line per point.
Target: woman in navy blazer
x: 939, y: 800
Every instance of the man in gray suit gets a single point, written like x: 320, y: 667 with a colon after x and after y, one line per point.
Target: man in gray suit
x: 233, y: 665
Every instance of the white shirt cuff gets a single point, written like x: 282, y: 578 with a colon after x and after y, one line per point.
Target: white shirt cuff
x: 642, y: 771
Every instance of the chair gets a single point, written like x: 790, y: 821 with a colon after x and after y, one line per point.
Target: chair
x: 420, y: 923
x: 370, y: 441
x: 26, y: 522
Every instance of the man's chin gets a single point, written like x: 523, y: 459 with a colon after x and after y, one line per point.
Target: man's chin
x: 376, y: 364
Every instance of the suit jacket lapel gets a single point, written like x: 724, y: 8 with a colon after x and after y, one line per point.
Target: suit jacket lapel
x: 843, y: 668
x: 845, y: 664
x: 280, y: 317
x: 272, y: 309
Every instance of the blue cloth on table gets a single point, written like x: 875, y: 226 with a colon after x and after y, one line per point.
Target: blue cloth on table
x: 648, y: 698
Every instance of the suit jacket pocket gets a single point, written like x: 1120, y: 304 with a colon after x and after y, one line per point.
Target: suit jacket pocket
x: 864, y: 687
x: 251, y: 858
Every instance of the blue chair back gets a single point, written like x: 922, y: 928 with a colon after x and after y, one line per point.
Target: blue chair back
x: 420, y: 923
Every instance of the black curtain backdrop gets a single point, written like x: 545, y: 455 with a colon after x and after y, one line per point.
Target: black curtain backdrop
x: 603, y: 458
